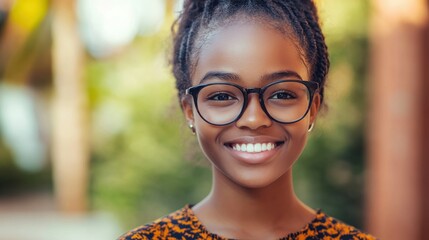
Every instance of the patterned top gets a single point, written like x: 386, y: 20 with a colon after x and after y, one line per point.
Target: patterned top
x: 183, y: 224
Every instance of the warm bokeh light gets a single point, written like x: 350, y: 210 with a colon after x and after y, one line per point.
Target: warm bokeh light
x: 404, y: 12
x: 27, y: 14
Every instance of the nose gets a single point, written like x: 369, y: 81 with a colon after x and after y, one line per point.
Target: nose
x: 253, y: 116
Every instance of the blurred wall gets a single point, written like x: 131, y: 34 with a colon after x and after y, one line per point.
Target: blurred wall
x: 398, y: 133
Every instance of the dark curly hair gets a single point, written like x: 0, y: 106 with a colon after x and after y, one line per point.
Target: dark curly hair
x: 200, y: 17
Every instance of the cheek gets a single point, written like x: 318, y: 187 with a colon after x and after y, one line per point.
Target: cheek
x: 298, y: 133
x: 300, y: 130
x: 207, y: 135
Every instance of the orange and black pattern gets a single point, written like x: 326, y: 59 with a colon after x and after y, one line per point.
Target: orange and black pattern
x: 184, y: 225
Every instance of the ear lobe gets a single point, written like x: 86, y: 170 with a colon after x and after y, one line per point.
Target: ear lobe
x: 187, y: 109
x: 315, y: 107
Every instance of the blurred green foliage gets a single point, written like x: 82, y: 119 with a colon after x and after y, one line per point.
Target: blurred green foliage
x: 13, y: 180
x: 141, y: 167
x: 330, y: 174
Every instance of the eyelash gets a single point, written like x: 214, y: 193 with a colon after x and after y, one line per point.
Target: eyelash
x: 289, y: 95
x: 213, y: 96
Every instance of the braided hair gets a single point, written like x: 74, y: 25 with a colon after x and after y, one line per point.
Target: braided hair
x: 199, y: 17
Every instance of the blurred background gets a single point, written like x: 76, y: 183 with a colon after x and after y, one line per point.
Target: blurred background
x: 93, y: 142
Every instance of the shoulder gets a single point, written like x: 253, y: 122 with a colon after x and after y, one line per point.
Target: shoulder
x: 177, y: 225
x: 324, y: 226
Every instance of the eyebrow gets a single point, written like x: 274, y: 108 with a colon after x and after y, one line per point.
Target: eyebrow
x: 279, y: 75
x: 227, y: 76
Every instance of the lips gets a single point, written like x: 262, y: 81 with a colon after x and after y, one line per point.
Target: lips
x: 254, y: 150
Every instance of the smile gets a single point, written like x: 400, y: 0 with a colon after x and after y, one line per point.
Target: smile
x: 253, y: 147
x: 251, y: 151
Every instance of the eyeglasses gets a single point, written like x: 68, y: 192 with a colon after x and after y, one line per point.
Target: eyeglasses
x: 284, y: 101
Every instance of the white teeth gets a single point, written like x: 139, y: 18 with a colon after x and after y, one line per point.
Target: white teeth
x: 243, y: 147
x: 258, y: 147
x: 250, y: 147
x: 237, y: 147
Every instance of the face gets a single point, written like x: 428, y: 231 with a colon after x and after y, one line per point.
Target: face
x: 251, y: 55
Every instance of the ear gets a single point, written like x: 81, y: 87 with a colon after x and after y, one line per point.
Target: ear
x: 186, y: 103
x: 315, y: 107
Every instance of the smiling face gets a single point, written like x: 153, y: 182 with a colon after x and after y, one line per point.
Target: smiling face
x: 253, y: 151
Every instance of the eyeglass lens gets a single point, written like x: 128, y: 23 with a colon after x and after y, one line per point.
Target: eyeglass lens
x: 284, y: 101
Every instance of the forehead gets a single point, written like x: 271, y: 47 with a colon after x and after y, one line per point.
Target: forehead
x: 249, y: 49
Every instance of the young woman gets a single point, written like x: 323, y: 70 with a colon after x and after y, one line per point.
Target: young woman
x: 251, y: 77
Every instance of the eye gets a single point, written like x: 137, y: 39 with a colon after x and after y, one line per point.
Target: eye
x: 283, y: 95
x: 221, y: 97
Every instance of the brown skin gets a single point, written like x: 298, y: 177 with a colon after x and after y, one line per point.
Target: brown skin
x: 251, y: 200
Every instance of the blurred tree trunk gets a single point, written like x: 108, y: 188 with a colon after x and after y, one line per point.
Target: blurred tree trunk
x: 70, y: 152
x: 398, y: 130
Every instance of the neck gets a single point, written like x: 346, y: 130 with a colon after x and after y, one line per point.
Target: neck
x: 254, y: 207
x: 234, y: 198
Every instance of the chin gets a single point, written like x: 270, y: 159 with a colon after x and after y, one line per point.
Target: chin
x: 256, y: 180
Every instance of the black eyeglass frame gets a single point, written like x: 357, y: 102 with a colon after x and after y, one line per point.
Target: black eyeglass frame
x: 195, y: 90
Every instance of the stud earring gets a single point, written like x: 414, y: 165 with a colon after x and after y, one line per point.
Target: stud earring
x: 310, y: 128
x: 191, y: 126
